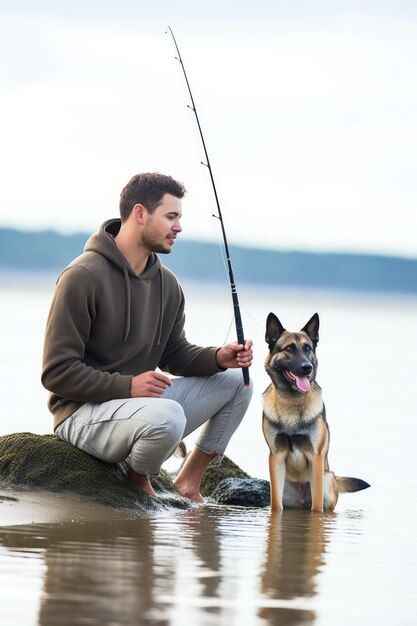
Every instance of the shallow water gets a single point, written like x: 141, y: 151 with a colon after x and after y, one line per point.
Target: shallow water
x: 219, y: 565
x: 209, y: 566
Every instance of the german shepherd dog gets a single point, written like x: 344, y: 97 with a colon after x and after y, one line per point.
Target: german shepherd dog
x: 294, y: 423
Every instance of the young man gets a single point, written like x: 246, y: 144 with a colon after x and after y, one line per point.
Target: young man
x: 116, y: 316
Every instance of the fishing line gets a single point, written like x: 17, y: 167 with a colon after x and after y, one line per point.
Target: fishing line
x: 235, y: 300
x: 228, y: 331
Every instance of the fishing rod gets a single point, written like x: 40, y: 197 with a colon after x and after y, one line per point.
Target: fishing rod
x: 219, y: 216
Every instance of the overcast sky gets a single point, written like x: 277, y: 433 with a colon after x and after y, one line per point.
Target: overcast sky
x: 308, y: 110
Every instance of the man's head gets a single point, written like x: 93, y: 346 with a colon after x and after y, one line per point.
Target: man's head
x: 148, y: 190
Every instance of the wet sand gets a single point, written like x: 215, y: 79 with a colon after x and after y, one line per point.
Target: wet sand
x: 45, y: 507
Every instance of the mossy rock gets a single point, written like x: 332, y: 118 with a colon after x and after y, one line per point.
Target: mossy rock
x: 29, y: 461
x: 216, y: 472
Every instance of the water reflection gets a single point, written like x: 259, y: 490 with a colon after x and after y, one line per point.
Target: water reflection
x: 208, y: 566
x: 143, y: 571
x: 294, y: 557
x: 99, y: 573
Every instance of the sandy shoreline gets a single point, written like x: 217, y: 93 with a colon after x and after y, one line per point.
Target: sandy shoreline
x: 45, y: 507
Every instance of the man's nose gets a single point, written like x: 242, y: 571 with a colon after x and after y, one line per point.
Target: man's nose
x: 177, y: 226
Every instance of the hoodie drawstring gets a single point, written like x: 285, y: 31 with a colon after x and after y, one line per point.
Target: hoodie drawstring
x: 128, y: 302
x: 161, y: 305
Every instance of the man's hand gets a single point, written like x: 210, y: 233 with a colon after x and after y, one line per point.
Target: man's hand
x: 149, y: 385
x: 235, y: 355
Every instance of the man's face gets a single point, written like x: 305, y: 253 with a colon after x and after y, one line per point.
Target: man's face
x: 163, y: 225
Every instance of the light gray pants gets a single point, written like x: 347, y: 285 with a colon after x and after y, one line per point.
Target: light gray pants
x: 148, y: 430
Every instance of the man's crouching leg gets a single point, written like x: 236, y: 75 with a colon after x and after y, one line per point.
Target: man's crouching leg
x: 220, y: 402
x: 147, y: 430
x: 155, y: 443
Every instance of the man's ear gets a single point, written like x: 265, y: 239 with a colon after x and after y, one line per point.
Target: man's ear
x: 138, y: 212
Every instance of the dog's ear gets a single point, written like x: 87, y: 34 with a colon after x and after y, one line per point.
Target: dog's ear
x: 312, y: 329
x: 274, y: 330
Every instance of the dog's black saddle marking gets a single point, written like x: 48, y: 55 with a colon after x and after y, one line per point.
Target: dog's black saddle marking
x: 293, y: 442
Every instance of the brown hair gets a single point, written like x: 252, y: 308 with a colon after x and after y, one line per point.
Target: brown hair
x: 148, y: 189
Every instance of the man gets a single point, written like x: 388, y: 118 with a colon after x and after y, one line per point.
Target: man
x: 117, y: 315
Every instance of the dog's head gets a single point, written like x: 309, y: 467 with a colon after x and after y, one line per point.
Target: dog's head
x: 292, y: 362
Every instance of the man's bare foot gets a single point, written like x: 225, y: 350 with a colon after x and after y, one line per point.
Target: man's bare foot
x: 143, y: 482
x: 189, y: 477
x: 189, y: 492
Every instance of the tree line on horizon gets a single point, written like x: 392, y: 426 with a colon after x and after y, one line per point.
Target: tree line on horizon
x: 51, y: 251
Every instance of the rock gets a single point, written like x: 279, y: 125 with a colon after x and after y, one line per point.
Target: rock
x: 247, y: 492
x: 217, y: 472
x: 43, y: 462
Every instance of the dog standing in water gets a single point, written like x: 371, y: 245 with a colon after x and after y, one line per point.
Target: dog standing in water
x: 294, y: 423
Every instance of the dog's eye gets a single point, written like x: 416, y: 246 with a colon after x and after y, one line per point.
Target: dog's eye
x: 290, y: 348
x: 307, y: 349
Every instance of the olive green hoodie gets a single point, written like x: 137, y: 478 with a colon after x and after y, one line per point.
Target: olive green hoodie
x: 106, y: 324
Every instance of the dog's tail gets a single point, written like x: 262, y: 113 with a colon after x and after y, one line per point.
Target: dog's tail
x: 347, y: 484
x: 181, y: 451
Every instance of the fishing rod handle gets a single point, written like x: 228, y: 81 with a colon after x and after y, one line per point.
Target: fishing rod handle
x: 246, y: 378
x: 240, y: 336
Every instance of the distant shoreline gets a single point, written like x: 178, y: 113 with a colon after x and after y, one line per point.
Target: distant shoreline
x: 48, y: 252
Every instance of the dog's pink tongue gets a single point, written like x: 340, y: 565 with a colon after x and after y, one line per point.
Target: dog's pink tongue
x: 303, y: 384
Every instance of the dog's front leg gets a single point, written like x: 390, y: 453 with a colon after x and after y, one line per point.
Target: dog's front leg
x: 317, y: 482
x: 277, y: 479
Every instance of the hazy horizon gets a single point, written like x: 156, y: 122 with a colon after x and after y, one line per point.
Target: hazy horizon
x: 199, y: 240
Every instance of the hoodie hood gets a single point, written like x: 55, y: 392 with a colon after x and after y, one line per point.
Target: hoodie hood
x: 102, y: 242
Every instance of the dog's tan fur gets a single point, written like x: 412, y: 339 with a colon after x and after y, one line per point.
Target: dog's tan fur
x: 294, y: 424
